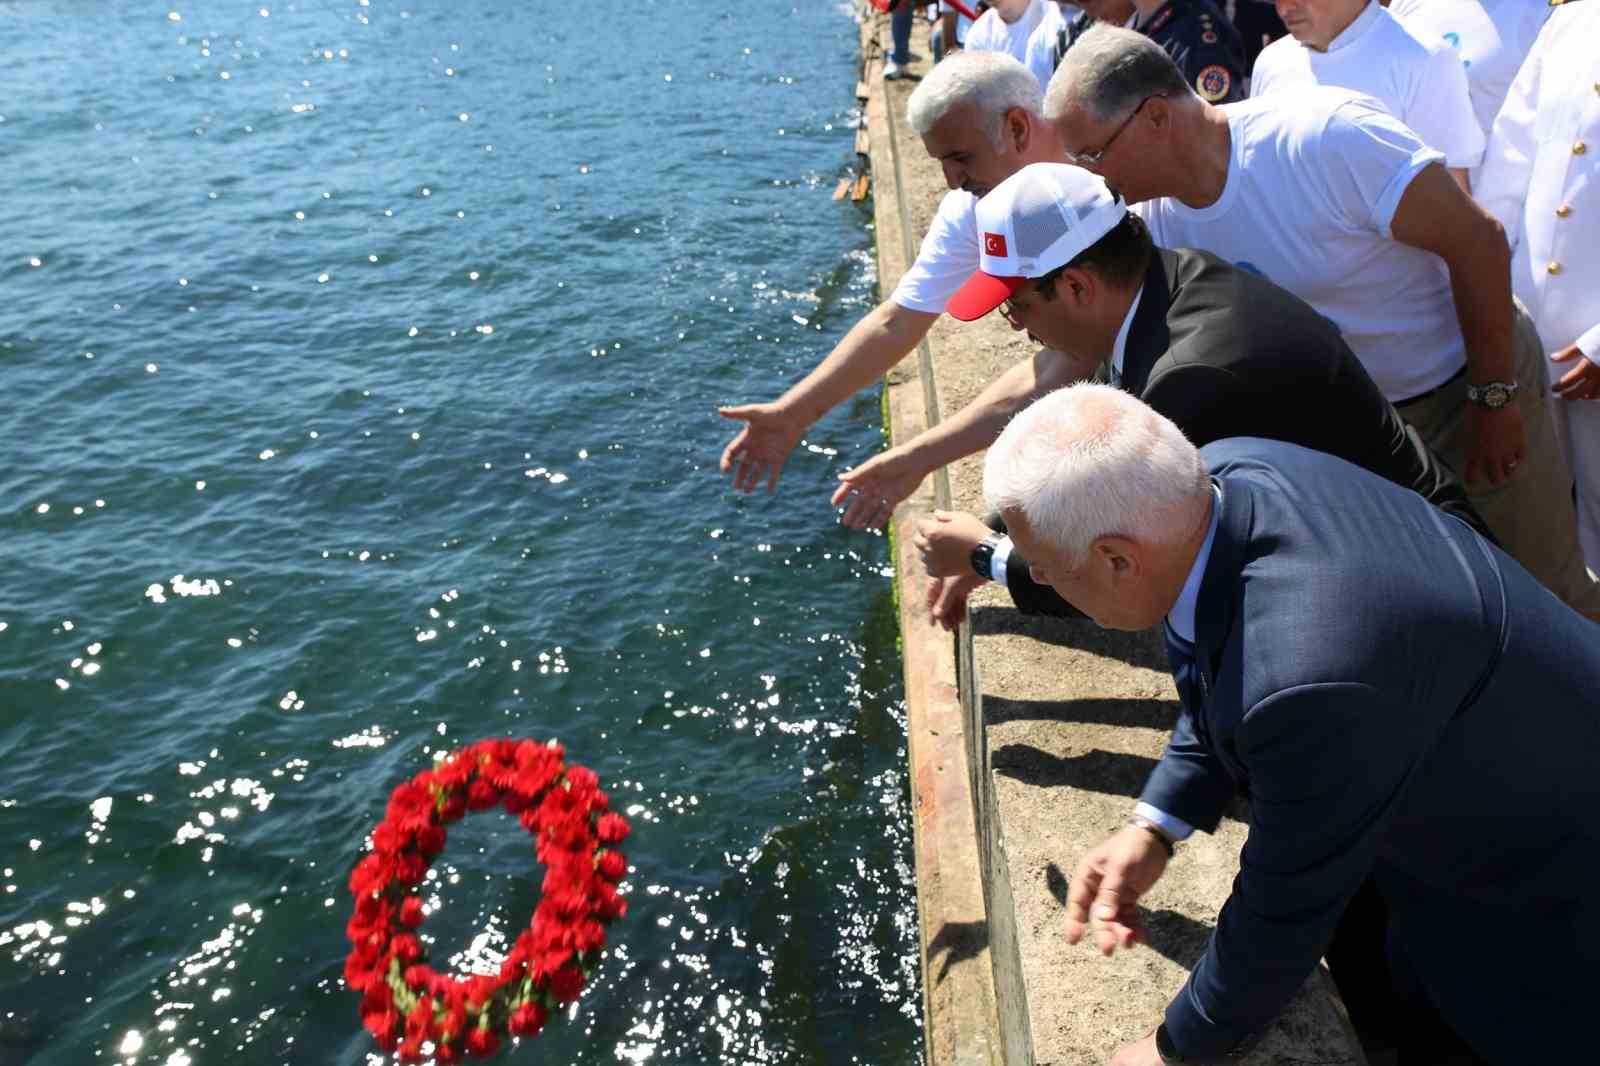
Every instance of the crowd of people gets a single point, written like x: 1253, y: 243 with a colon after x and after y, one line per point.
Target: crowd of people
x: 1315, y: 290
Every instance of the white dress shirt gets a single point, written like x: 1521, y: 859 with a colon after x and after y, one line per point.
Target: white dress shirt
x: 1182, y: 620
x: 1541, y: 179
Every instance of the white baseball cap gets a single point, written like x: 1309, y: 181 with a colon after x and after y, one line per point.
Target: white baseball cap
x: 1042, y: 217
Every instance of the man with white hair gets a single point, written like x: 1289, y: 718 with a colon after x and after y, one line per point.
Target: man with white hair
x: 978, y: 115
x: 1409, y: 713
x: 1329, y: 196
x: 1358, y: 45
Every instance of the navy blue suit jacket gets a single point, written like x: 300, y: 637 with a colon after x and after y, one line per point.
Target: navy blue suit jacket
x: 1398, y: 699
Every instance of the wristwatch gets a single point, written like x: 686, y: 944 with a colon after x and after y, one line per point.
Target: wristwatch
x: 983, y: 558
x: 1170, y: 1057
x: 1492, y: 394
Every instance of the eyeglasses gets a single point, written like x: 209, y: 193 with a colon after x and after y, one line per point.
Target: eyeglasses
x: 1041, y: 286
x: 1093, y: 157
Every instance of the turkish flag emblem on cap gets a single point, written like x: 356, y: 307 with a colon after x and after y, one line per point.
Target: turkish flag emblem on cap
x: 994, y: 244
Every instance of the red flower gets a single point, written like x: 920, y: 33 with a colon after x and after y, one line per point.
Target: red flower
x: 528, y: 1019
x: 611, y: 864
x: 481, y: 795
x: 406, y: 948
x: 417, y: 977
x: 411, y: 912
x: 379, y: 1016
x: 419, y: 1023
x: 409, y: 1050
x: 364, y: 968
x: 611, y: 829
x: 430, y: 839
x: 482, y: 1042
x: 566, y: 983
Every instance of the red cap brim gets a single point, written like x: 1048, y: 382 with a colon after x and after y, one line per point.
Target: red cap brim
x: 981, y: 294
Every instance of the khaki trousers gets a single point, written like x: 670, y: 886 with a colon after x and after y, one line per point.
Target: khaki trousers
x: 1531, y: 511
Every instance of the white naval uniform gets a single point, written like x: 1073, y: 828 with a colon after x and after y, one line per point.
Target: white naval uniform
x: 1541, y: 179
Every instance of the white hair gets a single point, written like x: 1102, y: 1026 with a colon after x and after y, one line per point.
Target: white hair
x: 1108, y: 71
x: 992, y: 81
x: 1091, y: 461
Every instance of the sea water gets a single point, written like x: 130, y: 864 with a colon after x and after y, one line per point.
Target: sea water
x: 359, y: 365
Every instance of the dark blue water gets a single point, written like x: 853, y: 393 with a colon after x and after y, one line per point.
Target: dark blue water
x: 359, y: 363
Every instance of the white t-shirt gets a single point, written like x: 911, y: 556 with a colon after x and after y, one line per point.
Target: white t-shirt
x: 1315, y: 177
x: 991, y: 33
x: 947, y: 258
x: 1422, y: 85
x: 1472, y: 35
x: 1040, y: 54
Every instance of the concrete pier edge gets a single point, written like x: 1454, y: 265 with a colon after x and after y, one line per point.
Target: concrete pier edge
x: 964, y: 963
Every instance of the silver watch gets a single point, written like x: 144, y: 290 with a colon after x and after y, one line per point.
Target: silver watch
x: 1492, y: 394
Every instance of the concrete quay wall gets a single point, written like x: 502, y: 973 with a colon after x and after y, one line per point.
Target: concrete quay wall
x: 1028, y: 738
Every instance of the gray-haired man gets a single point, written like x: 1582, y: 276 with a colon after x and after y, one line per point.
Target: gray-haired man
x: 1338, y: 202
x: 978, y: 115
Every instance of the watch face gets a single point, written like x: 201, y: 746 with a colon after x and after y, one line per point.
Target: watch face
x: 1496, y: 396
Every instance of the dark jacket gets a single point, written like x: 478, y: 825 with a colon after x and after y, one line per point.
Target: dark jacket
x: 1224, y: 353
x: 1401, y: 701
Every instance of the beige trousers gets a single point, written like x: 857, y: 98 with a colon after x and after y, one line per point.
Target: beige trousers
x: 1531, y: 511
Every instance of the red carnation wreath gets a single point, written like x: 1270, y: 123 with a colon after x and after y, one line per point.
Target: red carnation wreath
x: 404, y: 1001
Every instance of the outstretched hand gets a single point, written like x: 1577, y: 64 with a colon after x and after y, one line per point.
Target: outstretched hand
x: 870, y: 492
x: 763, y: 444
x: 1107, y: 885
x: 947, y: 599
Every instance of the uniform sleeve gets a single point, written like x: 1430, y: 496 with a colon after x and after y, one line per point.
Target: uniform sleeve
x: 947, y: 258
x: 1214, y: 69
x: 1365, y: 160
x: 1501, y: 185
x: 1313, y: 840
x: 1441, y: 109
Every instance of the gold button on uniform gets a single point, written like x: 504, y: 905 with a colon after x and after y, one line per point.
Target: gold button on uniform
x: 1564, y: 210
x: 1553, y: 268
x: 1579, y: 148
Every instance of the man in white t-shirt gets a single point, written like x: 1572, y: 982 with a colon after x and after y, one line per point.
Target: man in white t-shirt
x: 1356, y: 44
x: 978, y: 115
x: 1465, y: 27
x: 1040, y: 53
x: 1323, y: 192
x: 1542, y: 180
x: 1005, y: 27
